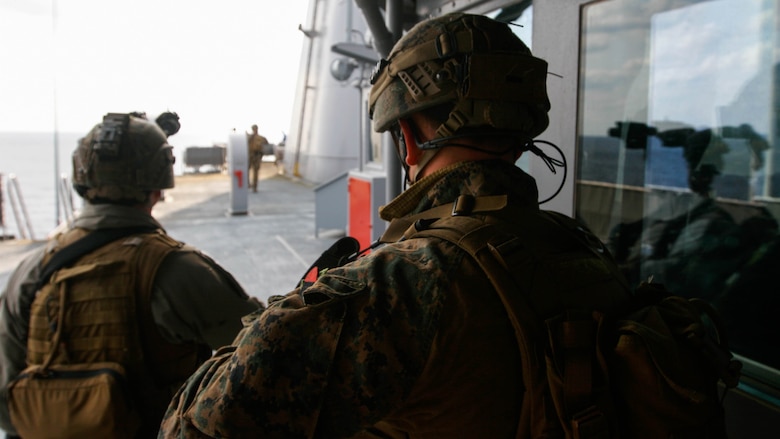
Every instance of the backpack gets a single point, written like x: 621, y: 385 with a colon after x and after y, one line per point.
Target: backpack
x: 634, y: 363
x: 83, y: 341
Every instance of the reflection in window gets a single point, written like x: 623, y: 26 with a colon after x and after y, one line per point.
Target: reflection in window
x: 679, y: 169
x: 520, y: 16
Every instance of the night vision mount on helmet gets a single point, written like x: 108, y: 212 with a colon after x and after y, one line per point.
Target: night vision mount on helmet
x: 125, y: 157
x: 472, y: 62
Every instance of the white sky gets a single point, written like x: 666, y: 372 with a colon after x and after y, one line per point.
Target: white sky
x: 219, y: 64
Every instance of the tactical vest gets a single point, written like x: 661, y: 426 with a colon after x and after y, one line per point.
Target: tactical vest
x: 582, y: 334
x: 109, y: 319
x: 553, y: 275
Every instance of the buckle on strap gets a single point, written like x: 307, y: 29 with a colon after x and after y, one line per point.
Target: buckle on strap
x: 590, y: 423
x: 463, y: 205
x: 469, y: 204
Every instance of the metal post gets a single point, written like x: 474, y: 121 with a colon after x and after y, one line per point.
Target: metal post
x: 238, y: 165
x: 2, y: 208
x: 392, y: 165
x: 310, y: 34
x: 66, y: 199
x: 17, y: 202
x: 56, y: 122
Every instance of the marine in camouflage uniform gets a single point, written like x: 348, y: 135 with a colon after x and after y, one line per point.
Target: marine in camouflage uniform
x: 256, y: 143
x: 194, y: 301
x: 410, y: 340
x: 408, y: 337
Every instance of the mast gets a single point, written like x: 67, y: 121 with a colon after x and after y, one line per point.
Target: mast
x: 57, y: 193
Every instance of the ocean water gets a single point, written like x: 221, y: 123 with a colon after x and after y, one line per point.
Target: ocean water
x: 31, y: 158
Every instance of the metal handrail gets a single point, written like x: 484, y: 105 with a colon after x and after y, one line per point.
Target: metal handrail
x: 65, y: 195
x: 19, y: 208
x: 4, y: 235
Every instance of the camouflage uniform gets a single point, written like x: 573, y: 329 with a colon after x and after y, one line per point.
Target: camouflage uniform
x: 408, y: 341
x: 255, y: 143
x: 193, y: 300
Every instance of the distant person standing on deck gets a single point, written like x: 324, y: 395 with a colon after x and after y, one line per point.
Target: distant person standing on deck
x: 133, y: 283
x: 256, y: 143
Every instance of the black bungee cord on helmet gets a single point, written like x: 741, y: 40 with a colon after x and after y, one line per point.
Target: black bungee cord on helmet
x: 551, y: 163
x: 347, y: 249
x: 529, y: 145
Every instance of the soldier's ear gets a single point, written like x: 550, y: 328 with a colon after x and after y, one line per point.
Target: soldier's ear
x: 413, y: 152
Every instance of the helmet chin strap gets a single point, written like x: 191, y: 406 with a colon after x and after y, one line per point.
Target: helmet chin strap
x: 431, y: 147
x: 427, y: 156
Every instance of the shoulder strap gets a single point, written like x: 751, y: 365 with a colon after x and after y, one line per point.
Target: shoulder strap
x: 463, y: 205
x: 474, y: 236
x: 488, y: 241
x: 165, y: 361
x: 92, y: 241
x: 497, y: 206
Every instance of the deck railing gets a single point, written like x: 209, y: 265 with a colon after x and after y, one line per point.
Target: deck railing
x: 12, y: 195
x: 19, y: 208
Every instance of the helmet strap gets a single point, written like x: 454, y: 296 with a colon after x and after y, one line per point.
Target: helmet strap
x: 420, y: 157
x: 457, y: 119
x: 400, y: 150
x: 425, y: 158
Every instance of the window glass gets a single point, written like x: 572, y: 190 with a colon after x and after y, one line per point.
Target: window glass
x: 520, y: 18
x: 678, y: 160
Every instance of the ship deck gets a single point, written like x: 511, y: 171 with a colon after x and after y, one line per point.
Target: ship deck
x: 267, y: 249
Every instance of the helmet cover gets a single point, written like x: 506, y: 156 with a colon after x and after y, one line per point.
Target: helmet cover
x: 123, y: 158
x: 476, y: 64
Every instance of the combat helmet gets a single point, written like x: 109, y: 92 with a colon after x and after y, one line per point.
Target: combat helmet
x: 472, y: 62
x: 123, y: 158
